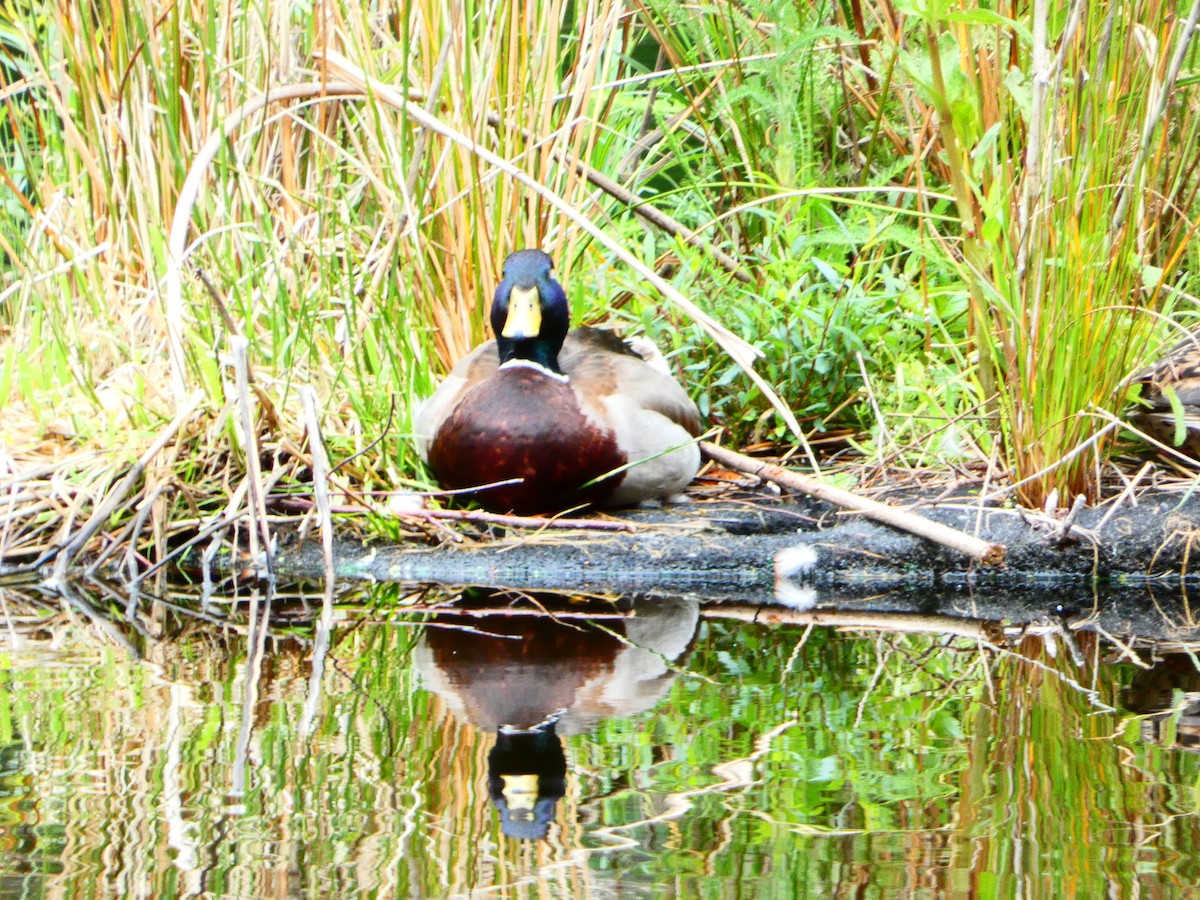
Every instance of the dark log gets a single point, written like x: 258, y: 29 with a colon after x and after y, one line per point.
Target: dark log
x: 721, y: 550
x: 1125, y: 572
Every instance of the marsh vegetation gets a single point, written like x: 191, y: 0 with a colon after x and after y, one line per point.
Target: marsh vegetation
x: 938, y: 236
x: 916, y: 244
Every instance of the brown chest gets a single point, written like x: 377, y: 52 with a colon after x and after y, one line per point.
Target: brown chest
x: 521, y: 424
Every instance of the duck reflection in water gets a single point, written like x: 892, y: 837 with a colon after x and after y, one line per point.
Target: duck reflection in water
x: 531, y: 679
x: 1168, y: 694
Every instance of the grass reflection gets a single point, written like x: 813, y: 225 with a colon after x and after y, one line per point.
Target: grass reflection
x: 701, y: 756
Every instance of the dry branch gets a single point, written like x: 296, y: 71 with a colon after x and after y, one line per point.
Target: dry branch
x: 539, y: 522
x: 69, y: 550
x: 476, y: 516
x: 984, y: 552
x: 658, y: 218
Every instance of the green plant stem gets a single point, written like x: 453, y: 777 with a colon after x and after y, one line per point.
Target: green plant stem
x: 976, y: 261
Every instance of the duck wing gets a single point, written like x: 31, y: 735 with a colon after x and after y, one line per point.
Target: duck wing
x: 1179, y: 371
x: 602, y: 367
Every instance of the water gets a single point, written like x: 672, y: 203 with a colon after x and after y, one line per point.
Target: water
x: 678, y: 754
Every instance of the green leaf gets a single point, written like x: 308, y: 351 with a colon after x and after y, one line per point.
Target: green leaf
x: 1151, y: 277
x: 1177, y: 412
x: 990, y: 17
x: 991, y: 229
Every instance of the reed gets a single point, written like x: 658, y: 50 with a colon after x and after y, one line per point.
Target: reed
x: 1069, y: 143
x: 351, y: 249
x: 959, y: 230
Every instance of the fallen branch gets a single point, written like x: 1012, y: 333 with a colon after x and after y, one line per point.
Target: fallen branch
x: 1064, y: 529
x: 508, y: 612
x: 538, y: 522
x: 470, y: 515
x: 986, y: 553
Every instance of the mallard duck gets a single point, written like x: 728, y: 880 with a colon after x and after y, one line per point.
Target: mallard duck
x: 1171, y: 384
x: 574, y: 418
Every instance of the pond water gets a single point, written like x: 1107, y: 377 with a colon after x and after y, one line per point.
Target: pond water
x: 680, y: 752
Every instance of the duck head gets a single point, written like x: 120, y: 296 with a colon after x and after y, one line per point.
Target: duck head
x: 530, y: 314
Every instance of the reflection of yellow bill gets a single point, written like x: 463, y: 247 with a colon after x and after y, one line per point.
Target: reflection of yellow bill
x: 524, y: 318
x: 520, y: 791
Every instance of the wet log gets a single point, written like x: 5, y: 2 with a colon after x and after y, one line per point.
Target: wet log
x: 1119, y: 572
x: 726, y: 550
x: 986, y: 552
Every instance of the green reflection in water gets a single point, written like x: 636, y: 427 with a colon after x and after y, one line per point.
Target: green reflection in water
x: 729, y: 760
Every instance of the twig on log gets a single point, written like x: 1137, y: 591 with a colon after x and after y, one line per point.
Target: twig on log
x: 522, y: 521
x: 1126, y: 494
x: 474, y: 515
x: 509, y: 612
x: 1064, y: 530
x: 986, y: 553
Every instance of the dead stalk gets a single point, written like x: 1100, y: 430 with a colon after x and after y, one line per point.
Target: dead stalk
x: 64, y: 555
x: 260, y: 529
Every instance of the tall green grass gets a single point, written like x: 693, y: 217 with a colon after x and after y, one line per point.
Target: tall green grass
x: 355, y: 251
x: 841, y: 239
x: 916, y: 229
x: 1069, y: 142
